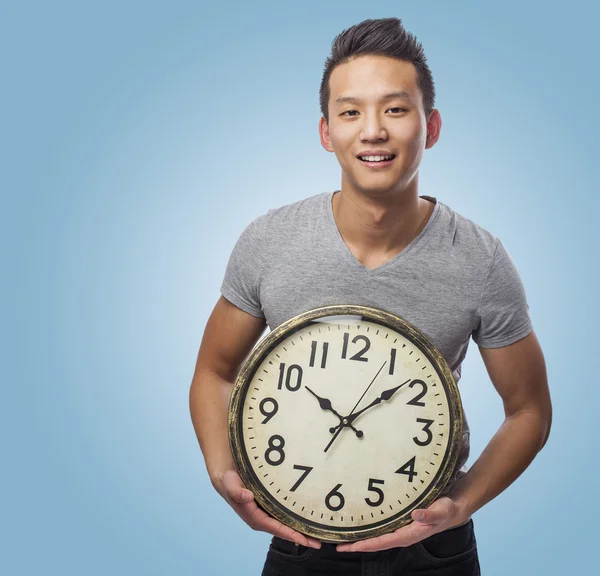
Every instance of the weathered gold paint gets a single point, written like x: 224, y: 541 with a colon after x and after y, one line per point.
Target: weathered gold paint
x: 275, y: 509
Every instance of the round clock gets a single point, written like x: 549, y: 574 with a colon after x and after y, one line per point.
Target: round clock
x: 343, y: 420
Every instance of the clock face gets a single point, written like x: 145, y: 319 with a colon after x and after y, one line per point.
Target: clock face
x: 342, y: 424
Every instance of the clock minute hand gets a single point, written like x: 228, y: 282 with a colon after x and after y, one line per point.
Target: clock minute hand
x: 345, y: 422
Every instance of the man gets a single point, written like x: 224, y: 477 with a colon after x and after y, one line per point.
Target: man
x: 378, y: 243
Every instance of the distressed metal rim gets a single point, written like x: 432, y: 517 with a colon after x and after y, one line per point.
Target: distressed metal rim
x: 275, y: 509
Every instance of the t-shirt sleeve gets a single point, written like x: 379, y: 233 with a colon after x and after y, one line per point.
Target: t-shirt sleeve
x: 503, y: 312
x: 241, y: 281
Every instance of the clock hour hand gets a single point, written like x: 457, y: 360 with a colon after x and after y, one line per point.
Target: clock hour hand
x: 325, y: 404
x: 385, y: 395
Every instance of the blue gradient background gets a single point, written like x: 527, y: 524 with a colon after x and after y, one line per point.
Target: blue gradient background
x: 138, y: 140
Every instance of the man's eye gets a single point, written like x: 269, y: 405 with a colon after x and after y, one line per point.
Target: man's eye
x: 397, y: 110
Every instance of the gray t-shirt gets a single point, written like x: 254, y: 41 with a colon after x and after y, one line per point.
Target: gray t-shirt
x: 454, y: 281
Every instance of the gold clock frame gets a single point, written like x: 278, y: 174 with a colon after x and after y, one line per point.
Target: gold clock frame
x: 251, y: 365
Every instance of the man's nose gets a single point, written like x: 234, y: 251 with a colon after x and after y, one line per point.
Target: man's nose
x: 373, y: 127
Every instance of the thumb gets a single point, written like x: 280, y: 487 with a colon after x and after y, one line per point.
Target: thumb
x: 234, y: 488
x: 435, y: 514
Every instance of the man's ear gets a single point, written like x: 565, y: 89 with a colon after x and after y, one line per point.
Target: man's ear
x: 324, y: 134
x: 434, y: 126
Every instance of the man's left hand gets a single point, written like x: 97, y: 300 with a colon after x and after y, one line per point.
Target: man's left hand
x: 444, y: 513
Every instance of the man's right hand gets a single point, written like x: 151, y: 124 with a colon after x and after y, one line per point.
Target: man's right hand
x: 229, y: 337
x: 242, y: 501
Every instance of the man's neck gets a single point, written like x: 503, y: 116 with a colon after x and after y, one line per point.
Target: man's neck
x: 384, y: 226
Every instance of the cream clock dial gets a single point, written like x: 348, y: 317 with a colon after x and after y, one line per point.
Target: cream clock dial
x: 343, y: 420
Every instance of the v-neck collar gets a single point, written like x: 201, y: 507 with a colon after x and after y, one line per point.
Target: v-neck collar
x: 349, y: 256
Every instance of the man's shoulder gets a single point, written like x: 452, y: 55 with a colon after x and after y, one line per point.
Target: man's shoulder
x: 293, y: 214
x: 468, y: 235
x: 292, y: 209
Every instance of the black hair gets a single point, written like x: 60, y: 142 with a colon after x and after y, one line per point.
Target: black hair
x: 382, y: 37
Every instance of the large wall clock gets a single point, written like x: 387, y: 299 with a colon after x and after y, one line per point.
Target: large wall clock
x: 343, y: 420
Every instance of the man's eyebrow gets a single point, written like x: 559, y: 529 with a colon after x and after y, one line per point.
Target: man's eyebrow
x: 389, y: 96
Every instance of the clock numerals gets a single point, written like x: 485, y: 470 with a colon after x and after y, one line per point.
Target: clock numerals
x: 335, y: 499
x: 306, y: 472
x: 313, y: 353
x: 276, y: 444
x: 335, y: 495
x: 268, y: 413
x: 282, y: 438
x: 392, y: 361
x: 408, y: 469
x: 378, y: 491
x: 293, y: 372
x: 427, y: 431
x: 416, y: 400
x: 359, y: 355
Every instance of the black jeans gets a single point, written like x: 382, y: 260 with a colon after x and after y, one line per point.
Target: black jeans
x: 449, y: 553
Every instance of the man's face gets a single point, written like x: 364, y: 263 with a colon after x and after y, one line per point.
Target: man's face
x: 375, y: 104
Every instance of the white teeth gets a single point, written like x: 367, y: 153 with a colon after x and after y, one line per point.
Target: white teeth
x: 376, y: 158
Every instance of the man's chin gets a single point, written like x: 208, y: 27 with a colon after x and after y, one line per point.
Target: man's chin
x: 380, y: 191
x: 375, y: 187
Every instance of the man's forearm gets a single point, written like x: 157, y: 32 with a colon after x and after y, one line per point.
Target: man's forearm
x: 504, y: 459
x: 209, y: 403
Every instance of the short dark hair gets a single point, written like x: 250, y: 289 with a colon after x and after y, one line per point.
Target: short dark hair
x: 382, y: 37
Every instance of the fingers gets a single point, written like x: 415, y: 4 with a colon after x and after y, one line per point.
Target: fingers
x: 235, y: 491
x: 242, y: 501
x: 369, y: 545
x: 262, y: 521
x: 405, y: 536
x: 439, y: 512
x: 400, y: 538
x: 426, y: 523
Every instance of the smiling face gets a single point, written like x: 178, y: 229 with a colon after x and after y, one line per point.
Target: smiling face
x: 375, y: 105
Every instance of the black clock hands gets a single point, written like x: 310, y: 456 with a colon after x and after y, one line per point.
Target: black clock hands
x: 325, y: 404
x: 353, y: 409
x: 385, y: 395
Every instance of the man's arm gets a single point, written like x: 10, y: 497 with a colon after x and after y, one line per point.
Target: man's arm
x: 518, y: 372
x: 229, y: 337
